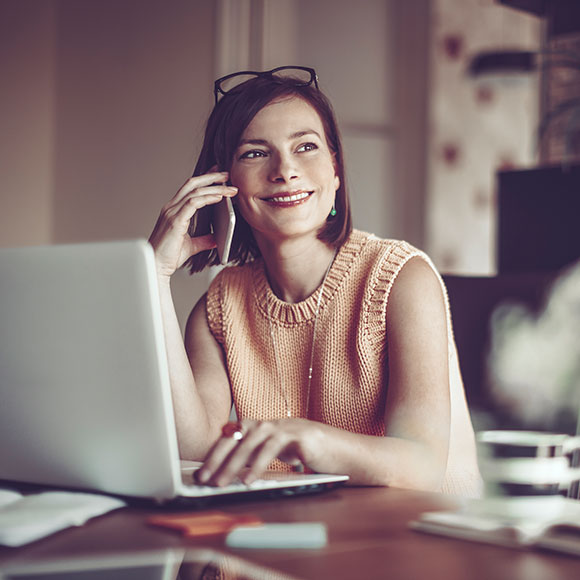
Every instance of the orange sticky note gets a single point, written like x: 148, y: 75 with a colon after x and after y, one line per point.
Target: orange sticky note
x: 204, y: 524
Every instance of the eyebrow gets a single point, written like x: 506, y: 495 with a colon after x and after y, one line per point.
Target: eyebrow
x: 296, y: 135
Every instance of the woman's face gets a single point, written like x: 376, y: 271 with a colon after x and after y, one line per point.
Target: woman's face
x: 284, y: 171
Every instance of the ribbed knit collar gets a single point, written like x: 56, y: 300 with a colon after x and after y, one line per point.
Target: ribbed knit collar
x: 287, y: 313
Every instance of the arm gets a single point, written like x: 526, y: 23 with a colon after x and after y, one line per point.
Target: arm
x: 213, y: 395
x: 413, y: 453
x: 173, y: 246
x: 418, y: 400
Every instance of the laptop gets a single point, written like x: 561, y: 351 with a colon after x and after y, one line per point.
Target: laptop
x: 85, y: 400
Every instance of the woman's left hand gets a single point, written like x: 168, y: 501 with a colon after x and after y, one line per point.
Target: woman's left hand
x: 246, y: 449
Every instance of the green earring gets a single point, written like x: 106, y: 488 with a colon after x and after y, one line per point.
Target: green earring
x: 333, y: 211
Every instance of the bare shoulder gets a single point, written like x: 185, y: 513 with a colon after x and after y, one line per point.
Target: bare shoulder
x: 199, y: 311
x: 417, y: 284
x: 205, y: 354
x: 197, y: 326
x: 207, y: 363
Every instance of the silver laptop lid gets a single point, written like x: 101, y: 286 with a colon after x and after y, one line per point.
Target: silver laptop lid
x: 84, y: 389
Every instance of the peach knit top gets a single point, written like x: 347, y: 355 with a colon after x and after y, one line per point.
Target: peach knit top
x: 350, y: 367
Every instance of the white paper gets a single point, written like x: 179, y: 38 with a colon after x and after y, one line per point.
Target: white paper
x: 26, y: 518
x: 7, y: 496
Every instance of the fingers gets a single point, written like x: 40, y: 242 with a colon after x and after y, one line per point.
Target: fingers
x: 192, y: 197
x: 262, y: 456
x: 248, y: 458
x: 218, y: 455
x: 170, y: 238
x: 205, y: 181
x: 178, y: 214
x: 202, y: 243
x: 195, y: 193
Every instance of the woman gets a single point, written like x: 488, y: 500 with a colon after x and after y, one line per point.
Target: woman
x: 334, y: 346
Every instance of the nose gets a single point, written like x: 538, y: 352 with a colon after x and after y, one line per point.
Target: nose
x: 283, y: 168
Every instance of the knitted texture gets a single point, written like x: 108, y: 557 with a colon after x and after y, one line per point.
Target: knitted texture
x: 350, y: 367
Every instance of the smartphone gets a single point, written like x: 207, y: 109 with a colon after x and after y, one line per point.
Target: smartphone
x: 223, y: 224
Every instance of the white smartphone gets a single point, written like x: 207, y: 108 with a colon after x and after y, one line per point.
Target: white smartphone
x: 223, y: 223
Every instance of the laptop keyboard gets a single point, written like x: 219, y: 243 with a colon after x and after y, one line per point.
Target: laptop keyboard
x: 271, y: 483
x: 189, y: 480
x: 268, y: 481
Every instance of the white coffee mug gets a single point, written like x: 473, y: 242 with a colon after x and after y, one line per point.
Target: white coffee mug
x: 529, y: 463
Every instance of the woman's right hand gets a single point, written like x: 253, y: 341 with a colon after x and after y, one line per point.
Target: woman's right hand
x: 170, y: 238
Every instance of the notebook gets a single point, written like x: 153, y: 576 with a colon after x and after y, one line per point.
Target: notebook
x: 84, y: 386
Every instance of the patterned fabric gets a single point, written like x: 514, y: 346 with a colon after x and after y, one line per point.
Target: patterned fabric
x: 350, y: 367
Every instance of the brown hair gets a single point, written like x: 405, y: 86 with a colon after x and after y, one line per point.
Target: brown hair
x: 225, y: 126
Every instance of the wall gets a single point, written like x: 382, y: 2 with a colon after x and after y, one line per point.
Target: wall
x: 475, y: 128
x: 27, y: 120
x: 133, y: 90
x: 104, y: 117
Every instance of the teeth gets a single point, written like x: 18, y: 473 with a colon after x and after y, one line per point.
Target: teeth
x: 287, y: 198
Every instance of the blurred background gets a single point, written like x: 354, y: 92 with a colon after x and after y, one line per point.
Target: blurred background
x: 103, y: 104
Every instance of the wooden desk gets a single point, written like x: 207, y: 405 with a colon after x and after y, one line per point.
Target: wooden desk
x: 368, y: 538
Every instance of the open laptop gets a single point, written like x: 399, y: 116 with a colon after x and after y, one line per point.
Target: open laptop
x: 85, y: 400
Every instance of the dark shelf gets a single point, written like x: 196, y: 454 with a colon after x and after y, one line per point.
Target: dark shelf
x: 562, y: 16
x: 538, y: 213
x: 537, y: 7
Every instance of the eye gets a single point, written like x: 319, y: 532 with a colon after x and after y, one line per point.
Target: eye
x: 307, y: 147
x: 252, y: 154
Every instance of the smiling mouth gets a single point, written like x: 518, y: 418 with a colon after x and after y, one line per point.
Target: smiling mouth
x: 289, y: 198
